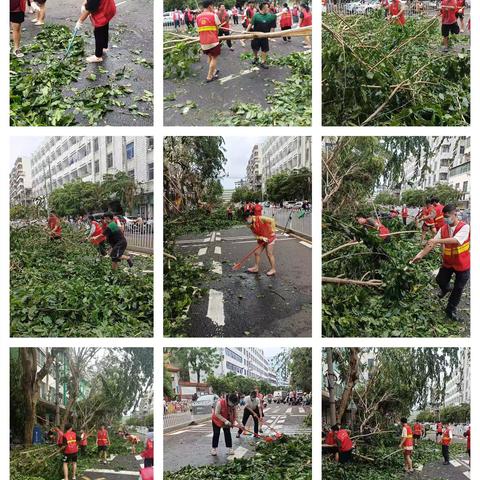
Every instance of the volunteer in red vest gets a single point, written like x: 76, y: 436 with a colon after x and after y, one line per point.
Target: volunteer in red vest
x: 17, y: 17
x: 344, y: 444
x: 208, y: 23
x: 438, y: 431
x: 306, y: 21
x: 147, y: 454
x: 264, y: 230
x: 454, y: 237
x: 396, y: 9
x: 459, y: 13
x: 257, y: 209
x: 189, y: 20
x: 448, y: 10
x: 427, y: 216
x: 286, y: 21
x: 102, y: 443
x: 39, y: 7
x: 331, y: 444
x: 376, y: 224
x: 467, y: 436
x: 70, y: 451
x: 100, y: 13
x: 96, y: 236
x: 235, y: 15
x: 249, y: 13
x: 224, y: 29
x: 405, y: 214
x: 54, y: 226
x: 406, y: 444
x: 447, y: 437
x: 83, y: 442
x: 417, y: 432
x: 224, y: 417
x: 439, y: 220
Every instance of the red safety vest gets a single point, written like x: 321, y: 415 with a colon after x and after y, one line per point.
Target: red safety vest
x: 72, y: 446
x: 98, y: 231
x: 446, y: 440
x: 468, y: 439
x: 426, y: 212
x: 383, y: 231
x: 18, y: 6
x: 207, y: 28
x: 448, y: 14
x: 262, y: 229
x: 148, y: 452
x: 460, y: 6
x: 102, y: 438
x: 395, y: 9
x: 439, y: 220
x: 105, y: 12
x: 345, y: 442
x: 189, y: 15
x: 146, y: 473
x: 225, y: 20
x: 306, y: 21
x: 405, y: 212
x: 54, y: 224
x: 456, y: 257
x: 249, y: 13
x: 409, y: 440
x: 439, y: 427
x: 225, y: 412
x: 330, y: 438
x: 83, y: 440
x: 417, y: 429
x: 286, y: 19
x: 234, y: 11
x: 59, y: 438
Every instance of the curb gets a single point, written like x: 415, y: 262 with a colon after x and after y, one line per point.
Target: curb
x: 185, y: 424
x: 301, y: 235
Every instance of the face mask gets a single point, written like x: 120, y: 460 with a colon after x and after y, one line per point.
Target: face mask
x: 449, y: 221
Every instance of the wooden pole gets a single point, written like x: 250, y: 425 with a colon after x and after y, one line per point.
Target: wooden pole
x: 347, y: 281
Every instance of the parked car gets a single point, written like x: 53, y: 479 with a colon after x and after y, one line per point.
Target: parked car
x: 279, y: 396
x: 288, y: 204
x: 204, y: 404
x: 298, y: 205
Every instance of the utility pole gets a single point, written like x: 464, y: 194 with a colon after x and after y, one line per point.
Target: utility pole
x: 331, y: 379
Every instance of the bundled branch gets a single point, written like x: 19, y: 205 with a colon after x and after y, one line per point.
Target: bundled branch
x: 374, y: 283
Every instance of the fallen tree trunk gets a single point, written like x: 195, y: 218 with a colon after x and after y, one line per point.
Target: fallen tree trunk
x: 347, y: 281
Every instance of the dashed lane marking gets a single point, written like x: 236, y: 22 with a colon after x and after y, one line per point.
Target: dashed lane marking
x: 200, y: 264
x: 305, y: 244
x: 205, y: 240
x: 202, y: 251
x: 212, y: 237
x: 467, y: 474
x: 238, y: 75
x: 289, y: 410
x: 301, y: 410
x: 217, y: 267
x: 178, y: 432
x: 218, y: 250
x: 454, y: 463
x: 215, y: 307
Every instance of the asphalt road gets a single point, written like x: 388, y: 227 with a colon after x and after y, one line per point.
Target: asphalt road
x: 239, y: 81
x: 192, y: 445
x: 131, y: 29
x: 243, y: 304
x: 457, y: 470
x: 120, y: 467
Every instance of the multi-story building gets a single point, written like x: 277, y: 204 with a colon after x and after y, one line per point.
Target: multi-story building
x: 459, y: 173
x: 21, y: 182
x: 241, y: 183
x: 62, y: 160
x: 145, y: 406
x: 254, y: 169
x: 457, y: 390
x: 280, y: 154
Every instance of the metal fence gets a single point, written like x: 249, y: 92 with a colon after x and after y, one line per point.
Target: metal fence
x: 428, y: 9
x: 172, y: 420
x: 291, y: 219
x: 140, y: 237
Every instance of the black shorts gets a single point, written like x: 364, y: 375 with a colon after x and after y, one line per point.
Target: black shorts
x: 17, y: 17
x: 459, y: 15
x: 345, y: 457
x: 118, y: 250
x: 260, y: 44
x: 416, y: 436
x: 102, y: 448
x: 148, y: 462
x: 69, y: 458
x: 453, y: 29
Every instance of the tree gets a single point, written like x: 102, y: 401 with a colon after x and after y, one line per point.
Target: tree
x: 245, y: 194
x: 331, y: 379
x: 445, y: 193
x: 197, y: 359
x: 386, y: 198
x: 122, y: 189
x: 294, y: 185
x: 296, y: 363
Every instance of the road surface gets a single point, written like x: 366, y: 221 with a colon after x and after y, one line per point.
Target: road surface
x: 119, y: 467
x: 192, y: 445
x: 130, y: 30
x: 457, y: 470
x: 239, y: 82
x: 238, y: 303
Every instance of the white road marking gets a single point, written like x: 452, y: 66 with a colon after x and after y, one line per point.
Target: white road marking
x: 209, y: 435
x: 239, y: 453
x: 212, y: 237
x: 178, y: 432
x: 205, y: 240
x: 202, y: 251
x: 305, y: 244
x: 288, y: 410
x: 218, y: 250
x: 121, y: 3
x: 215, y: 307
x: 281, y: 420
x: 200, y: 264
x: 138, y: 457
x: 217, y: 267
x: 454, y: 463
x: 121, y: 472
x: 238, y: 75
x: 301, y: 410
x: 467, y: 474
x: 218, y: 233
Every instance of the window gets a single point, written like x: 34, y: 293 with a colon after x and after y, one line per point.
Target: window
x: 95, y: 144
x: 130, y: 150
x: 444, y: 162
x: 443, y: 176
x: 457, y: 186
x: 445, y: 148
x: 97, y: 166
x: 149, y: 143
x: 109, y: 140
x: 82, y: 153
x: 150, y: 171
x: 110, y: 160
x: 131, y: 173
x: 465, y: 186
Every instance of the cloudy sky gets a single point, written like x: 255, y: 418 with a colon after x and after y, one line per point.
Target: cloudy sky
x: 23, y: 147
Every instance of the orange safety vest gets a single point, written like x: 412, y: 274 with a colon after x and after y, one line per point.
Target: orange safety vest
x: 456, y: 257
x: 207, y: 28
x: 439, y: 220
x: 105, y: 12
x: 446, y: 440
x: 409, y: 440
x: 225, y: 412
x: 345, y: 442
x: 102, y: 438
x: 72, y: 446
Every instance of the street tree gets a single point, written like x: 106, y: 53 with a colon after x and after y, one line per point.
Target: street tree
x: 296, y: 364
x: 445, y: 193
x: 245, y: 194
x: 198, y: 360
x: 288, y: 186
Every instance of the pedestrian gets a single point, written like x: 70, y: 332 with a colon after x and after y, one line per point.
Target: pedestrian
x: 454, y: 237
x: 295, y: 13
x: 439, y: 431
x: 54, y: 226
x: 147, y: 454
x: 448, y: 10
x: 101, y: 13
x: 40, y: 8
x: 306, y: 21
x: 96, y: 236
x: 344, y: 444
x: 117, y: 241
x: 189, y: 21
x: 417, y: 432
x: 286, y: 21
x: 405, y: 214
x: 235, y: 15
x: 331, y: 447
x: 263, y: 21
x: 17, y: 17
x: 69, y: 451
x: 229, y: 213
x: 176, y: 20
x: 375, y: 224
x: 83, y: 442
x: 224, y: 29
x: 208, y: 23
x: 264, y: 230
x: 406, y: 443
x: 427, y: 215
x: 102, y: 443
x: 467, y: 436
x: 396, y: 10
x: 446, y: 441
x: 459, y: 13
x: 133, y: 441
x: 224, y: 418
x: 252, y: 408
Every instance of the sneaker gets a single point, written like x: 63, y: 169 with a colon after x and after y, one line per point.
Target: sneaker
x: 230, y: 451
x: 18, y: 53
x: 442, y: 293
x: 130, y: 262
x: 452, y: 315
x: 214, y: 452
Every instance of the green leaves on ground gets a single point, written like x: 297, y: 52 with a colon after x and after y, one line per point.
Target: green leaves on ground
x: 178, y: 58
x: 369, y: 64
x: 63, y: 288
x: 285, y: 458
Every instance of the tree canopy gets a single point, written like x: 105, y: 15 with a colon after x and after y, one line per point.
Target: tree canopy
x: 289, y: 186
x: 296, y: 364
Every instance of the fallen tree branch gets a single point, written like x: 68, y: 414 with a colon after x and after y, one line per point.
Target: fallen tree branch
x: 374, y: 283
x: 336, y: 249
x: 374, y: 433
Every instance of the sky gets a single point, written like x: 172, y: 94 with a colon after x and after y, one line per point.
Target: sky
x: 271, y: 352
x: 23, y: 147
x: 237, y: 152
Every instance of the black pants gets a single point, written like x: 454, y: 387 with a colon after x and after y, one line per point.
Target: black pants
x: 246, y: 416
x: 345, y: 457
x: 461, y: 278
x: 216, y: 436
x: 235, y: 19
x: 446, y: 453
x: 83, y: 450
x: 286, y: 38
x: 222, y: 33
x: 148, y: 462
x: 101, y: 39
x: 405, y: 221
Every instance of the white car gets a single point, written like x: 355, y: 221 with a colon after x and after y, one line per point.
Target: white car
x: 367, y: 6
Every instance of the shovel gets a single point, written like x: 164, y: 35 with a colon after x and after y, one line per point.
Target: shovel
x: 70, y: 44
x: 238, y: 265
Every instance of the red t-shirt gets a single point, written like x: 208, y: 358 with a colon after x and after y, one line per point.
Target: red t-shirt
x: 448, y: 14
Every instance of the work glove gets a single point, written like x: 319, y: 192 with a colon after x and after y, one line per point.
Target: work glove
x: 227, y: 424
x: 78, y: 25
x: 264, y: 239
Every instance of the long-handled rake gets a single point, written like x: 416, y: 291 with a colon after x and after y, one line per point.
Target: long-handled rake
x: 238, y: 265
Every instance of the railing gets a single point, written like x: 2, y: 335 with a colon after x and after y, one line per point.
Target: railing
x: 292, y: 219
x: 362, y: 9
x: 139, y: 237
